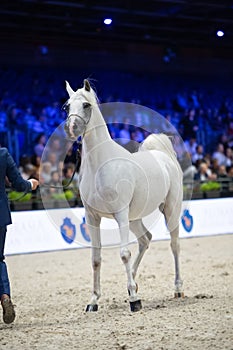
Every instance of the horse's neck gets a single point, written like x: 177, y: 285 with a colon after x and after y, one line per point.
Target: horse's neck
x: 98, y: 145
x: 96, y: 132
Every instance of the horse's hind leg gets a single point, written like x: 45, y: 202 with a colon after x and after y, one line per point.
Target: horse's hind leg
x: 175, y: 247
x: 172, y: 221
x: 144, y: 238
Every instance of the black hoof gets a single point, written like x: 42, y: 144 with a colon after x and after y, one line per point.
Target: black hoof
x: 135, y: 305
x: 91, y: 308
x: 179, y: 295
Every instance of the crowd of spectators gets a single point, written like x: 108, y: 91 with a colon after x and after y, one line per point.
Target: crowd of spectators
x: 30, y: 112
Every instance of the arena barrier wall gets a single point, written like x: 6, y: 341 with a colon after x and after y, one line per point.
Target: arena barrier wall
x: 56, y: 229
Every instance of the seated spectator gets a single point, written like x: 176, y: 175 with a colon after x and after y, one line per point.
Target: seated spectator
x: 68, y: 172
x: 189, y: 170
x: 55, y: 179
x: 54, y: 145
x: 45, y: 172
x: 199, y: 154
x: 207, y: 159
x: 229, y: 157
x: 52, y: 158
x: 230, y: 172
x: 219, y: 155
x: 223, y: 178
x: 189, y: 125
x: 191, y: 146
x: 40, y: 145
x: 55, y: 183
x: 36, y: 160
x: 222, y: 172
x: 204, y: 173
x: 28, y: 171
x: 214, y: 166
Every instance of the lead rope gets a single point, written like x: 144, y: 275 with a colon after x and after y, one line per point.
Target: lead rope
x: 76, y: 168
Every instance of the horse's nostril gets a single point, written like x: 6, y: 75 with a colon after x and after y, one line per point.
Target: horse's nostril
x: 65, y: 128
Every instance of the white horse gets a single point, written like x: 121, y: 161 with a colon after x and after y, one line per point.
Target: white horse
x: 127, y: 187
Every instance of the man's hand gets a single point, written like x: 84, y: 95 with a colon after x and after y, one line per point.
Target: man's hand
x: 34, y: 184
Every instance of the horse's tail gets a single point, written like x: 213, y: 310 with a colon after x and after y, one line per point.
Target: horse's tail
x: 159, y: 142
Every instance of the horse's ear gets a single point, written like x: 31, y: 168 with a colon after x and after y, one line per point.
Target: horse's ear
x: 87, y: 85
x: 69, y: 90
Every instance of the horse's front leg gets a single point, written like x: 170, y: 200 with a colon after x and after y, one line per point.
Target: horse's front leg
x: 94, y: 230
x: 122, y: 220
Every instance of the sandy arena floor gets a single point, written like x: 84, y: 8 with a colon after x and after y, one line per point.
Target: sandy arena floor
x: 51, y: 291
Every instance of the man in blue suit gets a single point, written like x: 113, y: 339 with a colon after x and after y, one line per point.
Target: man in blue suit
x: 8, y: 169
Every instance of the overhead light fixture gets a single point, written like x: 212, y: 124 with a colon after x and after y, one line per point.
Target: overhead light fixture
x: 220, y: 33
x: 107, y: 21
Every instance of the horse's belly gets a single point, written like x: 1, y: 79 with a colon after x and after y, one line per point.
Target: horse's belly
x: 150, y: 192
x: 141, y: 207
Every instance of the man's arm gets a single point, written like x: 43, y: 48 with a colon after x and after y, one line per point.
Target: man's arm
x: 14, y: 176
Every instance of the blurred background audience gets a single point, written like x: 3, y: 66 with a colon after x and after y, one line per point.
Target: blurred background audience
x: 29, y: 117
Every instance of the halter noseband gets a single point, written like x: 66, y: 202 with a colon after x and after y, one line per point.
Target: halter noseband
x: 79, y: 116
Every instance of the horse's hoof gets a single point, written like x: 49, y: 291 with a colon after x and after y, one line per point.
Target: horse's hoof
x: 179, y: 295
x: 91, y: 308
x: 135, y: 305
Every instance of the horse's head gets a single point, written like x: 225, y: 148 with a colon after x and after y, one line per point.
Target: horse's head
x: 78, y: 108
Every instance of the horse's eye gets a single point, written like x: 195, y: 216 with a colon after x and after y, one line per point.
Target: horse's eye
x: 65, y: 107
x: 86, y: 105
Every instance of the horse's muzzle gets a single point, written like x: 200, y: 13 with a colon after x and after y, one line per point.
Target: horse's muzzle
x: 67, y: 131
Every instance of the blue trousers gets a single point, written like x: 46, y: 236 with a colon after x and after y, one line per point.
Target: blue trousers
x: 4, y: 280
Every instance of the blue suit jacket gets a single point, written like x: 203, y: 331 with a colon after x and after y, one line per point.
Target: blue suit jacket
x: 8, y: 168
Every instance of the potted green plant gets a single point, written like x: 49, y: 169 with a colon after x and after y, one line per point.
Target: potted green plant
x: 61, y: 199
x: 20, y: 200
x: 211, y: 189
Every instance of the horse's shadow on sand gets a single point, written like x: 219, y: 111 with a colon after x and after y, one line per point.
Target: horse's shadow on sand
x: 174, y: 302
x: 116, y: 306
x: 156, y: 304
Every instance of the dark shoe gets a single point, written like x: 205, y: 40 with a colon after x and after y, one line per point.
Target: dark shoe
x: 8, y: 310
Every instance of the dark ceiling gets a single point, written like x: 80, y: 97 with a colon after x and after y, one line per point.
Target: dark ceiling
x: 181, y: 23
